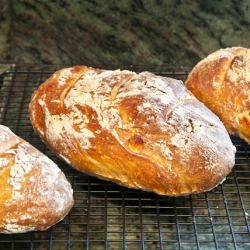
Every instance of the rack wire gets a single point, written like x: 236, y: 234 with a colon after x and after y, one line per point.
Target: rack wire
x: 107, y: 216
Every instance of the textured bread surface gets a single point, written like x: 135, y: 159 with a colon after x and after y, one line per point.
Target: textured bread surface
x: 34, y: 193
x: 141, y: 131
x: 222, y: 82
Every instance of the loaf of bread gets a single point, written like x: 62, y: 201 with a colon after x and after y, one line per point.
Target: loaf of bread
x: 222, y: 82
x: 34, y: 192
x: 141, y: 131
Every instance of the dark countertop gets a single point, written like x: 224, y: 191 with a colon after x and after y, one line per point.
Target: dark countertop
x: 177, y: 33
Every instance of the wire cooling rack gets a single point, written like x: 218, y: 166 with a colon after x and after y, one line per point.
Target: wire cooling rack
x: 107, y: 216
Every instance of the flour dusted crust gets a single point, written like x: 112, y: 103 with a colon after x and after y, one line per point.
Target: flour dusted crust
x: 222, y: 82
x: 139, y: 130
x: 34, y: 193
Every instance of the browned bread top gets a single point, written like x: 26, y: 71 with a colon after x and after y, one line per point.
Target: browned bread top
x: 138, y: 130
x: 34, y: 192
x: 222, y: 82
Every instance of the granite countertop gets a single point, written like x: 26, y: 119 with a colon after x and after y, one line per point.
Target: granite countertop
x: 151, y: 32
x: 177, y: 33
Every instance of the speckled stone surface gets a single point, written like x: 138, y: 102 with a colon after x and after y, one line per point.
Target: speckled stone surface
x: 153, y: 32
x: 4, y: 31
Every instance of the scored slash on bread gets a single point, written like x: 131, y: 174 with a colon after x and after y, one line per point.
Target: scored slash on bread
x: 142, y: 131
x: 34, y: 193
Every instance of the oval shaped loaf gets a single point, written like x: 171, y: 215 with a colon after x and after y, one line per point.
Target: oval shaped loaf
x: 222, y: 82
x: 138, y: 130
x: 34, y: 192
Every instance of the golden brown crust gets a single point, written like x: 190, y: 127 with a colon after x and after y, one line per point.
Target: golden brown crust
x: 34, y: 193
x: 138, y: 130
x: 222, y: 82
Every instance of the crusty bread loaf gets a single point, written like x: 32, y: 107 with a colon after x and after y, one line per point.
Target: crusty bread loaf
x: 222, y: 82
x: 34, y: 192
x: 139, y: 130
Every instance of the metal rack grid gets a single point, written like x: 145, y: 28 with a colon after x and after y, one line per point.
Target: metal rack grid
x: 107, y: 216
